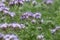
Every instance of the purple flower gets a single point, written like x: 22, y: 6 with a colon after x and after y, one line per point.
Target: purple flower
x: 3, y: 0
x: 6, y: 8
x: 6, y: 36
x: 12, y: 14
x: 29, y: 14
x: 16, y: 2
x: 24, y: 17
x: 10, y: 37
x: 5, y: 11
x: 14, y: 25
x: 49, y: 1
x: 13, y: 37
x: 11, y: 3
x: 37, y: 15
x: 3, y: 25
x: 1, y: 9
x: 20, y: 2
x: 2, y: 4
x: 1, y: 35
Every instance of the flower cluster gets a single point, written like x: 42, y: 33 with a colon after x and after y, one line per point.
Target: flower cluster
x: 8, y: 37
x: 48, y: 1
x: 30, y: 14
x: 12, y: 2
x: 12, y: 25
x: 5, y: 9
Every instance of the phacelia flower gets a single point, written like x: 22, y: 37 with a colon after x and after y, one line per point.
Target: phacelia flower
x: 49, y: 1
x: 1, y: 35
x: 12, y: 14
x: 37, y: 15
x: 10, y: 37
x: 3, y: 26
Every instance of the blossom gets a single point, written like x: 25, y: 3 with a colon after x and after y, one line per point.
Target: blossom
x: 10, y: 37
x: 1, y: 9
x: 12, y: 14
x: 13, y: 37
x: 37, y: 15
x: 11, y: 3
x: 14, y: 25
x: 3, y: 26
x: 26, y: 15
x: 6, y: 8
x: 20, y: 2
x: 16, y: 2
x: 1, y: 35
x: 49, y: 1
x: 5, y: 11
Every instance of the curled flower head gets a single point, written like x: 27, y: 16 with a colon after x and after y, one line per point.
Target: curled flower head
x: 48, y: 1
x: 20, y: 2
x: 10, y: 37
x: 37, y: 15
x: 29, y: 14
x: 11, y: 3
x: 23, y: 17
x: 14, y: 25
